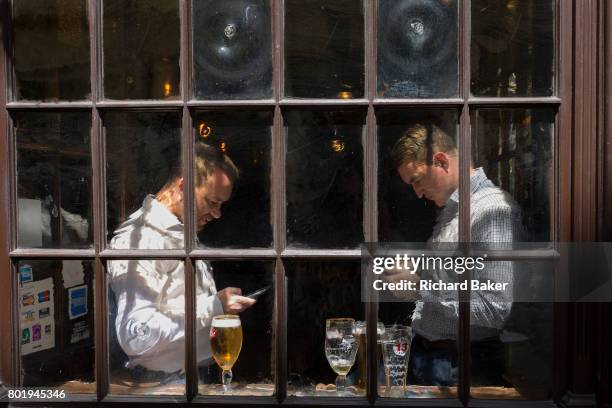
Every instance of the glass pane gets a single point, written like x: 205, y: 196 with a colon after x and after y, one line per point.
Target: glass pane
x: 253, y: 368
x: 515, y: 359
x: 56, y: 325
x: 324, y: 174
x: 513, y: 147
x: 417, y: 48
x: 232, y: 52
x: 431, y: 367
x: 141, y: 49
x: 513, y: 48
x: 324, y: 49
x: 146, y: 326
x: 51, y: 50
x: 245, y: 218
x: 54, y: 180
x: 404, y: 216
x: 143, y: 161
x: 318, y: 291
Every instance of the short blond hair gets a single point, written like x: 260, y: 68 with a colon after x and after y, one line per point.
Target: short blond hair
x: 419, y: 143
x: 207, y: 160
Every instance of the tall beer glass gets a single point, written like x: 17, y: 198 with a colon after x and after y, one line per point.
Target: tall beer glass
x: 340, y: 348
x: 396, y: 354
x: 226, y: 342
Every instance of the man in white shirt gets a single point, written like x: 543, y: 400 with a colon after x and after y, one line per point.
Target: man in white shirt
x: 150, y: 294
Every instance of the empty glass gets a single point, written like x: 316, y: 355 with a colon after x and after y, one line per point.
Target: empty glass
x: 340, y: 348
x: 360, y: 332
x: 396, y: 352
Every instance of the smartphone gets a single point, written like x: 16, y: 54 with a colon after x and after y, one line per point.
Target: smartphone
x: 258, y: 292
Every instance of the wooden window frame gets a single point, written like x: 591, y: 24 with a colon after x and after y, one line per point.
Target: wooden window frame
x: 582, y: 131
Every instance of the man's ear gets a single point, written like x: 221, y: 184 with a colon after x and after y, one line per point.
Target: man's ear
x: 180, y: 183
x: 440, y: 159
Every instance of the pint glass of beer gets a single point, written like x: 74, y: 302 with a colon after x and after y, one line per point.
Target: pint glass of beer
x: 226, y: 342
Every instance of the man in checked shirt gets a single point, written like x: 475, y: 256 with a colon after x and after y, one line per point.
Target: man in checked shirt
x: 426, y: 158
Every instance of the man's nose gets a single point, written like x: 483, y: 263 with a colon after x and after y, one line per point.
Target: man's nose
x: 216, y: 212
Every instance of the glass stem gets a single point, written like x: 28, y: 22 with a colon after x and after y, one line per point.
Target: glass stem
x: 340, y: 384
x: 226, y: 378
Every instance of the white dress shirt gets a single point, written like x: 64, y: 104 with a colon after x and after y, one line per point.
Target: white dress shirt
x: 150, y: 294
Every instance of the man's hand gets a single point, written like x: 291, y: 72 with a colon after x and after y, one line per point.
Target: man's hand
x: 396, y: 276
x: 232, y: 300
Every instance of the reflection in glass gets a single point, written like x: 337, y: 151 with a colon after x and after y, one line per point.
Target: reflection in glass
x: 232, y: 49
x: 146, y: 325
x: 514, y: 148
x: 324, y: 49
x: 51, y: 49
x: 324, y: 179
x: 245, y: 219
x: 417, y: 48
x: 54, y: 180
x: 512, y: 48
x: 56, y: 325
x: 141, y: 49
x: 404, y: 217
x: 253, y: 372
x: 318, y: 291
x: 142, y: 151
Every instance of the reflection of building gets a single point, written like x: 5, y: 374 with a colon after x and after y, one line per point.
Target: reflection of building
x: 103, y: 101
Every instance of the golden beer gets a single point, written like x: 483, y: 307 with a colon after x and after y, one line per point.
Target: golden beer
x: 226, y: 340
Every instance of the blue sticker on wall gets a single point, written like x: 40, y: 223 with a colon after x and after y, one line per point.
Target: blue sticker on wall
x: 77, y: 302
x: 25, y: 274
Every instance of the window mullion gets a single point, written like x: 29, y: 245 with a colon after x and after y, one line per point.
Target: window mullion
x: 463, y: 335
x: 370, y: 207
x: 99, y: 203
x: 190, y: 271
x: 188, y: 219
x: 279, y: 202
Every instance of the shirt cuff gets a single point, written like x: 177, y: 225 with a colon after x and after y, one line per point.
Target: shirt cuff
x: 217, y: 308
x: 207, y: 308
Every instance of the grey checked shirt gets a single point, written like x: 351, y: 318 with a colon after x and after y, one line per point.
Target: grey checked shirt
x: 495, y: 218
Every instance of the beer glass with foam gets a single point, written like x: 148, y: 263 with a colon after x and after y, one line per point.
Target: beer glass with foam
x: 226, y: 342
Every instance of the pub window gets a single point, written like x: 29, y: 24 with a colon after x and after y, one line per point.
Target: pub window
x: 127, y: 248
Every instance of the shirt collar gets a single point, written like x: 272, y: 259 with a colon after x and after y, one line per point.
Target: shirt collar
x: 476, y: 181
x: 158, y: 215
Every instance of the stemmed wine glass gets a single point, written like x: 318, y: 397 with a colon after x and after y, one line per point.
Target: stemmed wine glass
x: 226, y: 342
x: 340, y: 348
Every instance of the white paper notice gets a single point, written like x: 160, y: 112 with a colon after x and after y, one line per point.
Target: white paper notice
x: 72, y: 273
x: 37, y: 320
x: 30, y: 223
